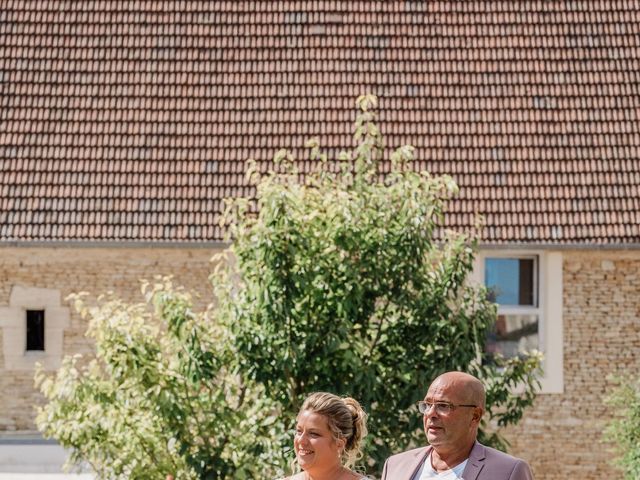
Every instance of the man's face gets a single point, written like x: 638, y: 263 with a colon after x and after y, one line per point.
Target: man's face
x: 457, y: 428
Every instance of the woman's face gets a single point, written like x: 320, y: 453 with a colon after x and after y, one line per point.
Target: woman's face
x: 315, y: 447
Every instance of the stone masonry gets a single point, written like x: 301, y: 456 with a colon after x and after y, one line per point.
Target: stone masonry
x: 560, y: 436
x: 96, y: 271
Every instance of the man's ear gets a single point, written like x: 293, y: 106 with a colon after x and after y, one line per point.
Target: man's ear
x: 477, y: 414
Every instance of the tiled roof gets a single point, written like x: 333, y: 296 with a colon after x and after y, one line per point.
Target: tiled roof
x: 131, y: 120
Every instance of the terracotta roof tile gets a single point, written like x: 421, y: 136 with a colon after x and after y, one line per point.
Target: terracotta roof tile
x: 132, y: 120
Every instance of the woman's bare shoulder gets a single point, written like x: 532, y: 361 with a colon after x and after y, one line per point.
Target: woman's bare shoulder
x: 300, y: 476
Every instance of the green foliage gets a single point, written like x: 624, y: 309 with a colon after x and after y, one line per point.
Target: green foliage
x: 343, y: 288
x: 336, y: 283
x: 159, y: 397
x: 624, y: 428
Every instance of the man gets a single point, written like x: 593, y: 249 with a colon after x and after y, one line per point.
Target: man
x: 451, y: 412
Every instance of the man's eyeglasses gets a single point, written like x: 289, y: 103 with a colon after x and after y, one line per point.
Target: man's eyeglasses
x: 442, y: 408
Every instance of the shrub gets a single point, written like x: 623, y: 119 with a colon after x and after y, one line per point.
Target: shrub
x: 624, y: 429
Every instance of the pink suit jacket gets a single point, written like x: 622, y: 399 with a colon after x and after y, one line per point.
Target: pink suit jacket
x: 484, y: 463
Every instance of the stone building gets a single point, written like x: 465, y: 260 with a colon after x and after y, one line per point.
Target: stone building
x: 125, y: 124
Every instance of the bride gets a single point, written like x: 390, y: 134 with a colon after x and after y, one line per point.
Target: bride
x: 328, y: 437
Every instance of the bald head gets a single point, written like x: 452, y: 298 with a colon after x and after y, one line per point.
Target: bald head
x: 469, y: 388
x: 452, y: 429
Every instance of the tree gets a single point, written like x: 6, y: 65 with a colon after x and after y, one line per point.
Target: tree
x: 343, y: 287
x: 160, y: 397
x: 337, y: 282
x: 624, y: 429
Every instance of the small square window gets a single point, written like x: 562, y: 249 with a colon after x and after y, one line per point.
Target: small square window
x: 511, y: 281
x: 513, y: 335
x: 35, y: 330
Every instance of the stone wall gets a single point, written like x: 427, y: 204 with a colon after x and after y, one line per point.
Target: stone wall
x: 562, y: 436
x: 95, y: 270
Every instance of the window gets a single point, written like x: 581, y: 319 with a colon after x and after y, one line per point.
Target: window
x: 32, y: 328
x: 513, y: 284
x: 35, y: 330
x: 527, y: 286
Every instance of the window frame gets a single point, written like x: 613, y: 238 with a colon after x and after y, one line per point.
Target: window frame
x: 548, y: 277
x: 536, y: 279
x: 538, y: 295
x: 13, y: 325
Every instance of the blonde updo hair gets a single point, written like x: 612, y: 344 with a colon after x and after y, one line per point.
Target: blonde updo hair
x: 346, y: 419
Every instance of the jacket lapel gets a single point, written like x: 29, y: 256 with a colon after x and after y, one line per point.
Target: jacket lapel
x: 475, y: 463
x: 414, y: 466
